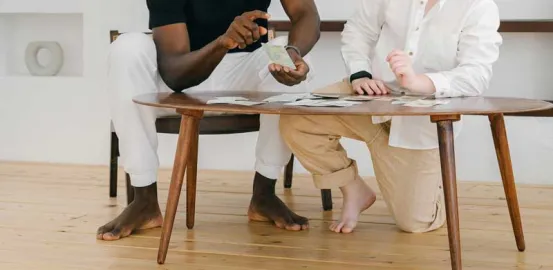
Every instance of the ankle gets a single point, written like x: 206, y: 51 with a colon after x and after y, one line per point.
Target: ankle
x: 146, y: 194
x: 353, y: 186
x: 263, y: 186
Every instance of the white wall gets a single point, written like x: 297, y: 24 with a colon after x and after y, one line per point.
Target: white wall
x: 55, y: 120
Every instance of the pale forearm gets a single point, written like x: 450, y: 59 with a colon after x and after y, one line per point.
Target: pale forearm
x: 422, y: 84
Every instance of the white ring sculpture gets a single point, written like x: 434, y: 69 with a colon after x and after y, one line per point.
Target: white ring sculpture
x: 50, y: 69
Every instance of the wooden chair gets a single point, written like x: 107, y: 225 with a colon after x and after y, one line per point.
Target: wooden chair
x: 210, y: 125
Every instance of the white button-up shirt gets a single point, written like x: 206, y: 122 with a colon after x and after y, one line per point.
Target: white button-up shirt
x: 454, y: 44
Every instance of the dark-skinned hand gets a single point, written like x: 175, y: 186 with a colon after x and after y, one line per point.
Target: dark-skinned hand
x: 288, y: 76
x: 244, y: 31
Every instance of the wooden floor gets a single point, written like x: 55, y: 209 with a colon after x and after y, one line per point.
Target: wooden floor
x: 49, y: 215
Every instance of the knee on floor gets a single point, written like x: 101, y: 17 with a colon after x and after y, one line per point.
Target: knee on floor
x: 414, y: 222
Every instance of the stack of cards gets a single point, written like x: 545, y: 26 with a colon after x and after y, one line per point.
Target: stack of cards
x: 233, y: 100
x: 279, y: 55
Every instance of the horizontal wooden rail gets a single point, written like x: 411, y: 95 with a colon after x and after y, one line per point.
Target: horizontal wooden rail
x: 507, y: 26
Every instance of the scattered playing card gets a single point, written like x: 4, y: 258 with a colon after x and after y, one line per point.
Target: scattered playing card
x: 323, y: 103
x: 384, y: 98
x: 404, y: 100
x: 288, y: 97
x: 233, y: 100
x: 340, y: 103
x: 423, y: 103
x: 303, y: 102
x: 326, y: 95
x: 279, y: 55
x: 360, y: 98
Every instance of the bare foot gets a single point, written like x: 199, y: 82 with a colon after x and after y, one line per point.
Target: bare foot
x: 265, y: 206
x: 358, y: 197
x: 143, y: 213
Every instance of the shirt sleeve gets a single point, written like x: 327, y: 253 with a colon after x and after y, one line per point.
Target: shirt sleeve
x: 478, y: 50
x: 166, y: 12
x: 361, y: 34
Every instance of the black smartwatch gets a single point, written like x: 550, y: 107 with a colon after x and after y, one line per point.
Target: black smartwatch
x: 359, y: 75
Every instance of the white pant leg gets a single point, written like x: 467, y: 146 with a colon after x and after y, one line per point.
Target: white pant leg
x: 250, y: 72
x: 132, y: 71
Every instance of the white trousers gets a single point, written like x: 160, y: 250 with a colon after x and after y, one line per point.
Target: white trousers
x: 133, y: 71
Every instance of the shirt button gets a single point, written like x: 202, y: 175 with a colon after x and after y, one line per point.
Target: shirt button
x: 422, y: 2
x: 417, y: 29
x: 411, y: 53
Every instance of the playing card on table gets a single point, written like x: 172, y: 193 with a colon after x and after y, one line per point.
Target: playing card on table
x: 323, y: 103
x: 288, y: 97
x: 237, y: 102
x: 423, y: 103
x: 303, y: 102
x: 404, y: 100
x: 230, y: 98
x: 384, y: 98
x: 233, y: 100
x: 339, y: 103
x: 360, y: 98
x: 326, y: 95
x: 279, y: 55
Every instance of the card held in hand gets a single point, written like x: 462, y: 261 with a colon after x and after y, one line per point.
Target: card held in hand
x: 279, y: 55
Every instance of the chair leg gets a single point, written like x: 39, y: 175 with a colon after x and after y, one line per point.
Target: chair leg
x: 113, y: 165
x: 130, y: 189
x: 505, y: 167
x: 447, y: 158
x: 186, y: 138
x: 191, y: 180
x: 289, y: 173
x: 326, y: 196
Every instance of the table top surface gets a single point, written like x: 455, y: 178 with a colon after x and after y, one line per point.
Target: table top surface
x: 456, y: 106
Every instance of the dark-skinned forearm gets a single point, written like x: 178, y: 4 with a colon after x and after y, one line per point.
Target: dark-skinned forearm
x: 183, y: 71
x: 305, y: 32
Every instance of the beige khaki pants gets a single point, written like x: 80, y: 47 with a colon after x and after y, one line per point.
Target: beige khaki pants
x: 410, y: 180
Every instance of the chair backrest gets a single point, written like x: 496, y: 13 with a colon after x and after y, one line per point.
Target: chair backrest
x: 114, y: 34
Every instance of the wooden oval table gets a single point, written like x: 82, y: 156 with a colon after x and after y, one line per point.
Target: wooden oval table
x: 192, y: 107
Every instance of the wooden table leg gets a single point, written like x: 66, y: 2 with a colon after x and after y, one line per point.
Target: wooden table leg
x: 191, y: 178
x: 499, y: 133
x: 186, y: 138
x: 449, y: 178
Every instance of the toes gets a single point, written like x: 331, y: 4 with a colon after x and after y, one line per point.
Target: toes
x: 102, y: 230
x: 332, y: 226
x: 302, y: 221
x: 348, y: 228
x: 338, y: 227
x: 113, y: 235
x: 293, y: 227
x: 288, y: 224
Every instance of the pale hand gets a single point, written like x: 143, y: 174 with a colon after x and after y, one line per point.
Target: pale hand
x: 401, y: 66
x: 370, y: 87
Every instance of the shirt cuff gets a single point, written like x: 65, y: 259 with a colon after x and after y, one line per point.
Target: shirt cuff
x: 358, y: 66
x: 442, y: 85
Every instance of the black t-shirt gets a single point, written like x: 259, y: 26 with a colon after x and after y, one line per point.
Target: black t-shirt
x: 206, y: 20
